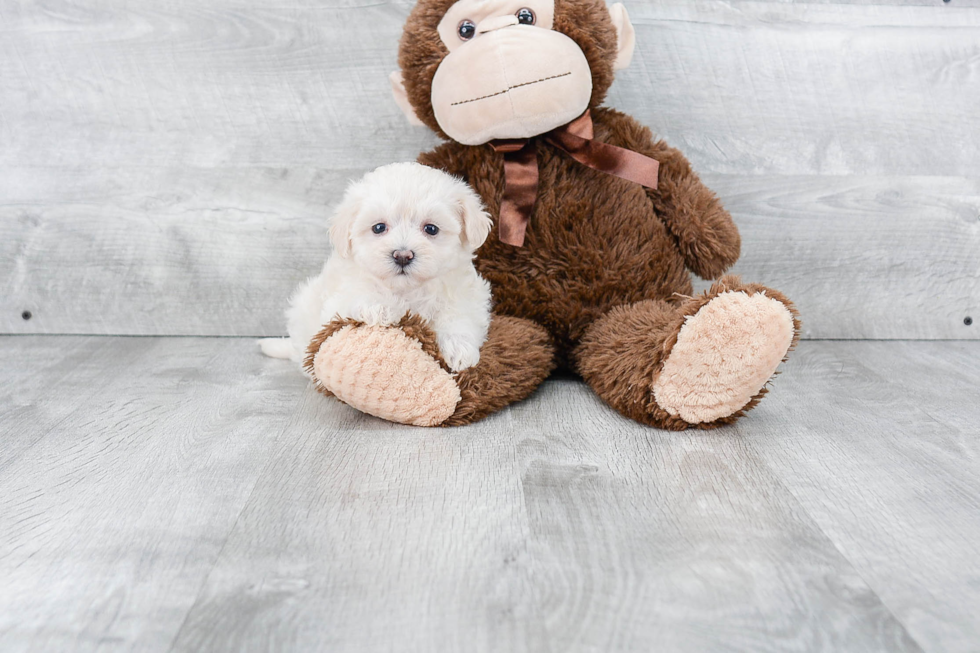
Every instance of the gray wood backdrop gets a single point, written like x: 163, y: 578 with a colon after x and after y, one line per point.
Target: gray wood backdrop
x: 166, y: 167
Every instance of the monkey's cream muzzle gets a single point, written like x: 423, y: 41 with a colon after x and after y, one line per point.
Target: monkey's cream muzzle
x: 511, y: 81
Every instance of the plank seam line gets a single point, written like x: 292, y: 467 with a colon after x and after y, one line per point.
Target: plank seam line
x: 281, y: 335
x: 231, y: 531
x: 779, y: 479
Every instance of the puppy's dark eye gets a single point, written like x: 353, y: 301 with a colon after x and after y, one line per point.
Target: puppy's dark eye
x: 430, y: 229
x: 379, y: 228
x: 466, y: 30
x: 525, y: 16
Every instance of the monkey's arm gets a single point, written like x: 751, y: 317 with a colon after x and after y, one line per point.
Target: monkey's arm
x: 706, y: 235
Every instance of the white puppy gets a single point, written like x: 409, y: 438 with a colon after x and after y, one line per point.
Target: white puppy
x: 404, y: 238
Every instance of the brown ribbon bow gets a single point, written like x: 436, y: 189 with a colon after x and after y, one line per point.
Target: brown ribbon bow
x: 575, y: 139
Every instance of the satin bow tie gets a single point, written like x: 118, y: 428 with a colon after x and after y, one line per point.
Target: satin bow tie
x: 575, y: 139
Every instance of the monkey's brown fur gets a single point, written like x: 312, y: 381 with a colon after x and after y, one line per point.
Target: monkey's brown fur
x: 601, y: 286
x: 516, y: 358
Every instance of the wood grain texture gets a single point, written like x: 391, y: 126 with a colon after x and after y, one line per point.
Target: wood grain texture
x: 801, y: 88
x: 744, y: 87
x: 150, y: 251
x: 184, y: 83
x: 73, y: 375
x: 554, y: 526
x: 208, y: 502
x: 864, y: 257
x: 118, y: 492
x: 878, y: 442
x: 166, y: 169
x: 217, y: 251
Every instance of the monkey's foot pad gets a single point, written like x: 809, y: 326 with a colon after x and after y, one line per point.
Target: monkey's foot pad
x: 724, y: 355
x: 383, y: 372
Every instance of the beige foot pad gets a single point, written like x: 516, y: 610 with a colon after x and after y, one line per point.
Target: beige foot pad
x: 383, y: 372
x: 725, y: 353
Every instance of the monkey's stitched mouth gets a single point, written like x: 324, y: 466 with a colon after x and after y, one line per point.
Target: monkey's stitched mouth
x: 510, y: 88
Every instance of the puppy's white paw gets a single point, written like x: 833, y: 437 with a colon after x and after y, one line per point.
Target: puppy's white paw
x: 459, y: 352
x: 277, y: 347
x: 374, y: 315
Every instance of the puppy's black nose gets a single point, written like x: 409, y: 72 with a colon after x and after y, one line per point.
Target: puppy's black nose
x: 403, y: 256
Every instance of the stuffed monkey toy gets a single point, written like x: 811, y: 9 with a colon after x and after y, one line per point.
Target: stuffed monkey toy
x: 597, y: 227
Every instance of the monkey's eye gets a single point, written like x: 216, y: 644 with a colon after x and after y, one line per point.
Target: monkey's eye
x: 430, y: 229
x: 379, y: 228
x: 525, y: 16
x: 466, y: 30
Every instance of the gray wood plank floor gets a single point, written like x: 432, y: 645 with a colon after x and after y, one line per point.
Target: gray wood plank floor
x: 213, y: 501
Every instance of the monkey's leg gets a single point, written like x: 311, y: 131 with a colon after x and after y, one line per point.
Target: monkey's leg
x: 397, y: 373
x: 704, y: 363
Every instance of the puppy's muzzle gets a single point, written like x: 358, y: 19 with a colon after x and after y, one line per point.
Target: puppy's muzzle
x: 403, y: 257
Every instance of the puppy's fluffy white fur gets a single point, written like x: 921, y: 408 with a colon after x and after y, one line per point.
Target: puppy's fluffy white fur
x: 363, y: 280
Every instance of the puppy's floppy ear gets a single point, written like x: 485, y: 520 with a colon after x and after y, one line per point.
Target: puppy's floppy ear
x: 342, y: 223
x: 476, y: 221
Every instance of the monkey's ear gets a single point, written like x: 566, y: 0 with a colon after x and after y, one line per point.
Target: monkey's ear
x: 401, y: 97
x: 476, y: 221
x: 625, y: 36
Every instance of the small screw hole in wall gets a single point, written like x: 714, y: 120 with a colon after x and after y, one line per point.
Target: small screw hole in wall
x: 967, y: 321
x: 27, y: 315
